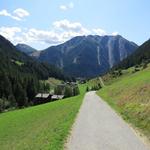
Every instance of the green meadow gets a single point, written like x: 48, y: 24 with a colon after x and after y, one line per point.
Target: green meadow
x: 43, y: 127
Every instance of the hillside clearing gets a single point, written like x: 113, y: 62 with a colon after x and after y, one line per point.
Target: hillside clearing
x: 40, y: 127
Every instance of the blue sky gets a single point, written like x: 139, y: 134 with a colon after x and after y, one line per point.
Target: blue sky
x: 41, y: 23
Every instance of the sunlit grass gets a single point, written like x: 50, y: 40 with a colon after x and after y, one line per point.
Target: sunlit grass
x: 42, y: 127
x: 129, y: 95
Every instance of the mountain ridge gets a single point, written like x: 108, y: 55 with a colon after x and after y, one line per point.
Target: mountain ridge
x: 25, y: 48
x: 141, y: 55
x: 88, y: 56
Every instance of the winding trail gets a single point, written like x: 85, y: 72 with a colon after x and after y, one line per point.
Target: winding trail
x: 98, y: 127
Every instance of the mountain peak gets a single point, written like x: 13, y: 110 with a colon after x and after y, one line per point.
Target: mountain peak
x: 25, y: 48
x: 88, y: 56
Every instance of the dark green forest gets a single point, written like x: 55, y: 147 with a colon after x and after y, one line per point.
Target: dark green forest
x: 20, y: 76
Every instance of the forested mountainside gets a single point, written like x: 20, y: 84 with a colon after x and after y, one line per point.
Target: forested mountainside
x: 20, y: 75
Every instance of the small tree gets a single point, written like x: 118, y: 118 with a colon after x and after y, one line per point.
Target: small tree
x: 119, y: 72
x: 58, y: 90
x: 68, y: 91
x: 145, y: 64
x: 1, y: 105
x: 20, y: 94
x: 47, y: 87
x: 76, y: 90
x: 87, y: 88
x: 12, y: 100
x: 99, y: 86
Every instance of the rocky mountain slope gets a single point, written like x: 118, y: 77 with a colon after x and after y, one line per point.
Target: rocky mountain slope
x: 141, y: 55
x: 88, y: 56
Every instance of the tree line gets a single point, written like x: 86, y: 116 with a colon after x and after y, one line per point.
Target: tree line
x: 67, y: 90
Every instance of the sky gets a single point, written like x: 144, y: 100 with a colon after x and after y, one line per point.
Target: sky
x: 42, y: 23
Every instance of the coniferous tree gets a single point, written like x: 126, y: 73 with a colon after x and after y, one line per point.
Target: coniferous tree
x: 20, y: 95
x: 76, y: 90
x: 68, y: 91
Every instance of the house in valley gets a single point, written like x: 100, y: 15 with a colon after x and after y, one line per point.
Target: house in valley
x: 57, y: 97
x: 41, y: 98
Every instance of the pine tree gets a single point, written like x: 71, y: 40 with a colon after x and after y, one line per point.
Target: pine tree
x: 20, y: 95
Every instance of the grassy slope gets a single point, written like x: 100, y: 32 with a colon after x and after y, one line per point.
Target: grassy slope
x: 93, y: 82
x: 53, y: 82
x: 42, y: 127
x: 129, y: 95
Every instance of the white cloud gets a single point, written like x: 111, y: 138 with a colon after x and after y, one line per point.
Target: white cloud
x: 99, y: 31
x: 66, y: 25
x: 71, y: 5
x: 17, y: 14
x: 4, y: 12
x: 43, y: 36
x: 115, y: 33
x: 65, y: 7
x: 10, y: 33
x: 21, y: 13
x: 62, y: 31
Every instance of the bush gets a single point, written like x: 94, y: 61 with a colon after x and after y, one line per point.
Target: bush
x: 4, y: 104
x: 1, y: 105
x: 76, y: 90
x: 87, y: 88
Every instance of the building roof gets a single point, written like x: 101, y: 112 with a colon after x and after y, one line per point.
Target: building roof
x: 57, y: 96
x: 42, y: 95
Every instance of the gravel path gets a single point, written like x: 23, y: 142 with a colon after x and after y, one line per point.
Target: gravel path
x: 98, y: 127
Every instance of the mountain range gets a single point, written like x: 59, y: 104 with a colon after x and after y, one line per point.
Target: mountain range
x: 87, y: 56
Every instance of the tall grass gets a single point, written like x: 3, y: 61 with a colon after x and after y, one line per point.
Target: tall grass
x: 129, y: 95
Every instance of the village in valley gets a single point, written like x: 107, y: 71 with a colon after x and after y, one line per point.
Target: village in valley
x: 57, y: 91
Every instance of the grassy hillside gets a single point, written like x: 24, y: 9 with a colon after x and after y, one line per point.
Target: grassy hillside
x: 129, y: 95
x: 42, y: 127
x: 53, y: 82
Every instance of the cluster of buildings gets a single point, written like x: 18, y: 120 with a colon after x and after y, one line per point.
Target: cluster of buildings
x: 41, y: 98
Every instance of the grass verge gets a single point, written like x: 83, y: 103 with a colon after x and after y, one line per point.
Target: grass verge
x: 129, y: 95
x: 43, y: 127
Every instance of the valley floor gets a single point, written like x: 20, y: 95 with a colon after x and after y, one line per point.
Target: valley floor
x: 98, y: 127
